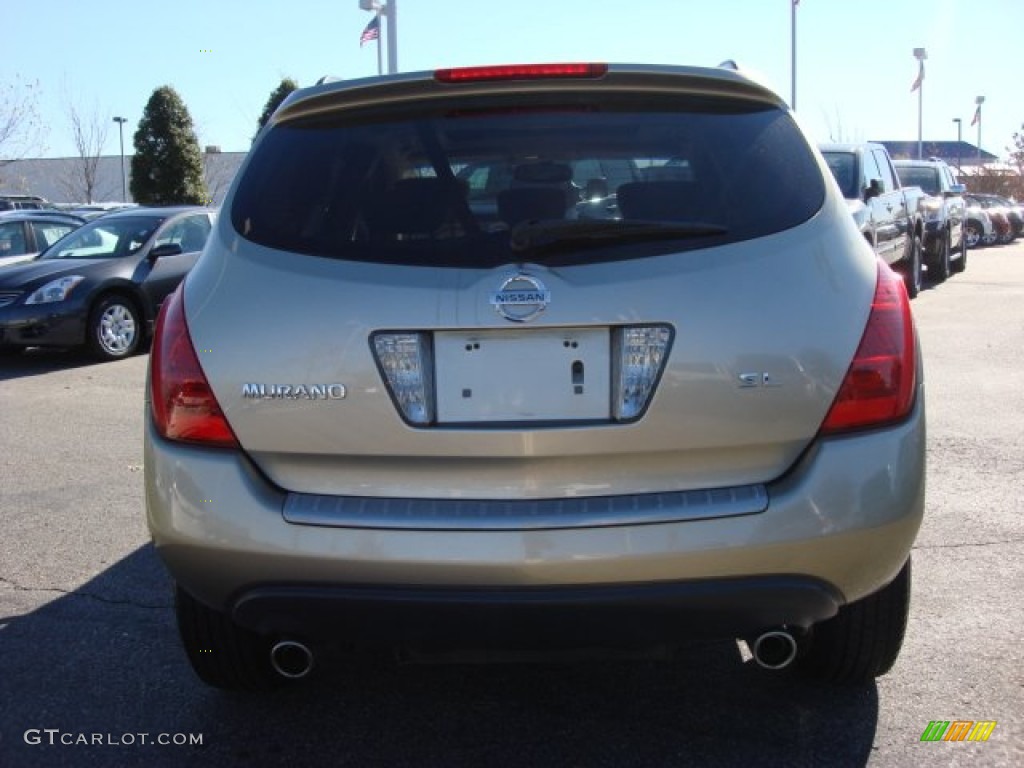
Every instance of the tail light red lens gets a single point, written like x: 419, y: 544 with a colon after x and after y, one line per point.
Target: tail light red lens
x: 183, y: 405
x: 880, y: 384
x: 520, y: 72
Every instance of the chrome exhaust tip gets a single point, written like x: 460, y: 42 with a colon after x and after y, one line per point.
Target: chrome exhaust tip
x: 774, y: 650
x: 291, y: 659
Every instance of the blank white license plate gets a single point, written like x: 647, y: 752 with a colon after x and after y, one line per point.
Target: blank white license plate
x: 542, y: 374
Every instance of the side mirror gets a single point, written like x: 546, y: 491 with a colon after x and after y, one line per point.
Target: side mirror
x: 874, y: 189
x: 165, y: 249
x: 957, y: 189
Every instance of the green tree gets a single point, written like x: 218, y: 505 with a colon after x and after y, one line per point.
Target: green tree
x: 278, y: 95
x: 167, y: 167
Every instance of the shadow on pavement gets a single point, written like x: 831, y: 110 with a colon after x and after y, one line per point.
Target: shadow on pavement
x: 105, y: 659
x: 36, y: 361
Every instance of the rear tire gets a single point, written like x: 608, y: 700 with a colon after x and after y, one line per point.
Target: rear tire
x: 938, y: 270
x: 863, y: 640
x: 223, y: 654
x: 973, y: 234
x: 960, y: 264
x: 912, y: 268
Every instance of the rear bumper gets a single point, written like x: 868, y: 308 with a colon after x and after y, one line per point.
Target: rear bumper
x: 837, y: 527
x: 534, y: 619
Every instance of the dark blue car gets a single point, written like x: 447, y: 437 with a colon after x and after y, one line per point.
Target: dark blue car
x: 102, y: 285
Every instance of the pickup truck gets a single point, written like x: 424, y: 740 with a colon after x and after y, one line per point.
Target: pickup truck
x: 890, y: 216
x: 945, y: 243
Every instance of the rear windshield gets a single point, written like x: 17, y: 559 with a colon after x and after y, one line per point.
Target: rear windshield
x: 844, y: 168
x: 587, y: 181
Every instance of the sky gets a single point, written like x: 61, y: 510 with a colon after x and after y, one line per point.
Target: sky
x: 855, y: 61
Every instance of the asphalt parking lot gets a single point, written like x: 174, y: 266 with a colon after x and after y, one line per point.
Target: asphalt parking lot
x: 89, y: 653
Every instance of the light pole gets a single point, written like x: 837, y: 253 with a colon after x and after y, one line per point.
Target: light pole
x: 920, y: 54
x: 977, y: 119
x: 959, y: 140
x: 124, y: 181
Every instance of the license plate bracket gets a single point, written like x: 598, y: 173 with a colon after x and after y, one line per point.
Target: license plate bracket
x: 522, y: 375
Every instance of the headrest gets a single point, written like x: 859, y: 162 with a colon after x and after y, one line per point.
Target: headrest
x: 543, y: 173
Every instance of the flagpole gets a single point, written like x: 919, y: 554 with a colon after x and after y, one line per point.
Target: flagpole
x: 920, y: 124
x: 793, y: 6
x: 391, y: 9
x: 920, y: 54
x: 372, y: 30
x: 380, y: 66
x: 979, y: 101
x: 959, y: 143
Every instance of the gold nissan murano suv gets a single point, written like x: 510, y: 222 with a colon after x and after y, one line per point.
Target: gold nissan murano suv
x: 523, y: 360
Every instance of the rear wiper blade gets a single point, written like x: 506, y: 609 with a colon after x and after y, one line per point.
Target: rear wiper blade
x: 546, y: 234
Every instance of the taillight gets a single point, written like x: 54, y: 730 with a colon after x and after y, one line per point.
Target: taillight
x: 880, y: 383
x: 639, y: 354
x: 405, y: 360
x: 183, y: 404
x: 520, y: 72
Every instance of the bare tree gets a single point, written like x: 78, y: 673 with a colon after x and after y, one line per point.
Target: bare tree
x: 1016, y: 159
x: 21, y: 131
x: 89, y: 129
x: 218, y: 169
x: 997, y: 178
x: 837, y: 131
x: 217, y: 174
x: 1003, y: 181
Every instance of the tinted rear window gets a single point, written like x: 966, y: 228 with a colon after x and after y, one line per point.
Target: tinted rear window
x: 844, y: 168
x: 449, y: 188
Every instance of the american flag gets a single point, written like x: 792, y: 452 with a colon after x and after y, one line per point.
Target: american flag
x: 372, y: 31
x: 920, y: 77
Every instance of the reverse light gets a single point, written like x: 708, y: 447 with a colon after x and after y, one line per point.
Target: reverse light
x: 55, y: 290
x: 183, y: 405
x: 520, y: 72
x: 406, y: 361
x: 880, y: 384
x: 638, y: 354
